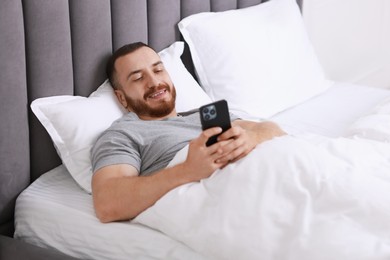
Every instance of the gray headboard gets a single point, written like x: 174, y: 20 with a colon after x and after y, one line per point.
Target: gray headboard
x: 56, y: 47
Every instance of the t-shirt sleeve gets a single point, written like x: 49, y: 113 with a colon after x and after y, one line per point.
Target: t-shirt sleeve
x: 233, y: 117
x: 114, y: 148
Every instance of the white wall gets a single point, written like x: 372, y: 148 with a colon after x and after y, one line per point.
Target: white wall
x: 351, y: 38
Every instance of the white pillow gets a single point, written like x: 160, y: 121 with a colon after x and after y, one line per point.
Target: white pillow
x: 74, y: 122
x: 258, y: 58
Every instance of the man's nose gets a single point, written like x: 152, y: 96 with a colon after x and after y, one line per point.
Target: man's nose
x: 153, y: 81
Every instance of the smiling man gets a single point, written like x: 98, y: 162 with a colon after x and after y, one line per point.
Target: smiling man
x: 129, y: 159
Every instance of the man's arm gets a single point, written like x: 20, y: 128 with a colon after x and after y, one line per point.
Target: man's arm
x: 120, y: 194
x: 261, y: 131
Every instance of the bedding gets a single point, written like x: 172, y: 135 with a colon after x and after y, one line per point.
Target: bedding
x: 294, y: 197
x: 349, y: 102
x: 378, y: 117
x: 39, y: 220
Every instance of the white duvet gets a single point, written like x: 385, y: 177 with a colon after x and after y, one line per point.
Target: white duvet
x: 294, y: 197
x: 375, y: 125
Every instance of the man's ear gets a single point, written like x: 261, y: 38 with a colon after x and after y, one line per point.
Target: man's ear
x: 121, y: 98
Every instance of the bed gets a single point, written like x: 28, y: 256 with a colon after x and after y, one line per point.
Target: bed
x: 55, y: 101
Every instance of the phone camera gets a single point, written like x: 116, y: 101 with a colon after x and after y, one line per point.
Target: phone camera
x: 209, y: 113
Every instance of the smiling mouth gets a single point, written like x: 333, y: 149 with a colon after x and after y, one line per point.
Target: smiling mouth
x: 158, y: 94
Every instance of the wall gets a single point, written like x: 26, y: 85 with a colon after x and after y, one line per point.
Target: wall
x: 351, y: 38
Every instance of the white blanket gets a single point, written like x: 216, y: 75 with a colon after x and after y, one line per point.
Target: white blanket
x: 374, y: 125
x: 305, y: 197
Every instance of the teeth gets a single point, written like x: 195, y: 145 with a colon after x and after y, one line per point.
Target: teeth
x: 157, y: 93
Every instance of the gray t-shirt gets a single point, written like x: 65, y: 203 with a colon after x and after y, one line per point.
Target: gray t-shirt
x: 147, y: 145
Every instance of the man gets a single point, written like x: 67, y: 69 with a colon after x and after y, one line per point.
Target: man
x: 130, y: 158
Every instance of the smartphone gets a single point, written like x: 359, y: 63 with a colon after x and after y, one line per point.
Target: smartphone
x: 215, y: 114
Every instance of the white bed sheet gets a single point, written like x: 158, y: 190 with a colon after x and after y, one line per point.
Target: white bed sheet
x: 55, y: 212
x: 332, y: 112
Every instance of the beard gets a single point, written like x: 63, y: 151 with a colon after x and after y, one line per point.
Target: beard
x: 164, y: 108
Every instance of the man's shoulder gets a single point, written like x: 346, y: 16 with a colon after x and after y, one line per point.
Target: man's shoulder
x: 124, y: 128
x: 118, y: 125
x: 124, y: 120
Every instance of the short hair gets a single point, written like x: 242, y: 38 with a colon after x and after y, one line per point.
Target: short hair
x: 124, y: 50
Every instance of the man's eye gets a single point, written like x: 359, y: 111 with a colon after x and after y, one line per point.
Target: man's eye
x: 159, y: 68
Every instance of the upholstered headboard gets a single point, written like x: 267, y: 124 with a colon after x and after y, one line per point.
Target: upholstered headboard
x: 56, y: 47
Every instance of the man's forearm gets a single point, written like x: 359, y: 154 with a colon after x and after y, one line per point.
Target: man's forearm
x: 262, y: 131
x: 124, y: 197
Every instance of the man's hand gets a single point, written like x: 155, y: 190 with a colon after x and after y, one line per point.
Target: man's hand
x: 243, y: 137
x: 203, y: 160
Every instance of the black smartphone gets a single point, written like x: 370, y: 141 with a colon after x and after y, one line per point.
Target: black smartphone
x: 215, y: 114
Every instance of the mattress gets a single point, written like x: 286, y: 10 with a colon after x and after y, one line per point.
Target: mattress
x: 55, y: 212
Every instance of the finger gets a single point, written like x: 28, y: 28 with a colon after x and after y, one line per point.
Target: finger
x: 206, y: 134
x: 239, y: 157
x: 218, y: 149
x: 224, y: 165
x: 233, y: 156
x: 233, y: 132
x: 218, y: 163
x: 231, y: 145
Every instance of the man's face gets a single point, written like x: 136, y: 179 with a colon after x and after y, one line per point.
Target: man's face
x: 146, y: 88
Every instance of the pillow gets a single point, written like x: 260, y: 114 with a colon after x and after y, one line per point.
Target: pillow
x: 75, y: 122
x: 258, y: 58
